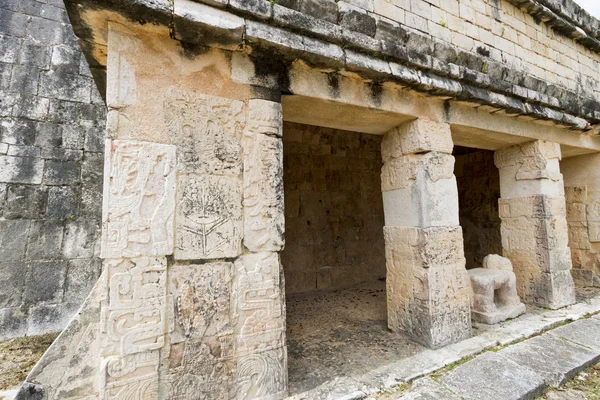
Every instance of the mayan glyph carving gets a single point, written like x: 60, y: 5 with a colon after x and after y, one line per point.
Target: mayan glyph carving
x: 262, y: 376
x: 263, y: 178
x: 209, y: 217
x: 494, y: 286
x: 201, y: 295
x: 258, y: 303
x: 134, y: 316
x: 132, y: 376
x: 533, y: 160
x: 200, y: 370
x: 207, y: 131
x: 139, y: 199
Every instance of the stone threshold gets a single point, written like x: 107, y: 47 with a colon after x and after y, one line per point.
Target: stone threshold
x: 521, y: 349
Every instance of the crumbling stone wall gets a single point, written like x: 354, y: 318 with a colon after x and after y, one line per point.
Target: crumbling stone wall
x: 333, y: 208
x: 52, y: 123
x: 478, y: 182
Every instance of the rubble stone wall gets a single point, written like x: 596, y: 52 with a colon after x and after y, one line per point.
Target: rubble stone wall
x: 52, y: 123
x: 478, y: 183
x: 333, y: 208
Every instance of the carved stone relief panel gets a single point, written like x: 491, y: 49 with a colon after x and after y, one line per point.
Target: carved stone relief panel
x: 201, y: 295
x: 263, y: 188
x: 258, y: 304
x: 130, y: 377
x: 207, y: 131
x: 262, y: 376
x: 134, y: 314
x: 209, y: 217
x: 200, y: 370
x: 139, y: 199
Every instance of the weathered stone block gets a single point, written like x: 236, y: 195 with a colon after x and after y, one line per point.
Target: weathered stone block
x: 139, y: 199
x: 13, y: 239
x: 12, y: 282
x: 25, y: 201
x: 80, y: 239
x: 21, y: 169
x: 45, y: 240
x: 209, y: 217
x: 263, y: 178
x: 81, y: 276
x: 576, y: 194
x: 207, y: 131
x: 421, y: 136
x: 201, y: 297
x: 45, y: 282
x: 62, y: 172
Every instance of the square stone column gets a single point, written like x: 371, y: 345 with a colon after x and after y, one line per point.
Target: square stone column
x: 427, y: 284
x: 534, y: 226
x: 582, y: 193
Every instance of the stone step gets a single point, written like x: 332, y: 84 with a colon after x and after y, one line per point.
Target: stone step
x: 428, y: 389
x: 555, y: 360
x: 492, y: 376
x: 585, y: 332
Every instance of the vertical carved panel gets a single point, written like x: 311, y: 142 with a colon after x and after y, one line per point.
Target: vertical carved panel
x: 130, y: 377
x: 263, y: 178
x: 139, y: 199
x: 209, y: 217
x: 134, y: 316
x: 207, y: 131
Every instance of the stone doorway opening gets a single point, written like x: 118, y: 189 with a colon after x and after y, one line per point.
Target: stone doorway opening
x: 478, y: 182
x: 334, y: 258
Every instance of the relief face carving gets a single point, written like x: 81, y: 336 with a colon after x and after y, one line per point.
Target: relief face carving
x: 202, y: 295
x: 263, y: 178
x: 207, y: 131
x: 139, y: 199
x: 134, y: 316
x: 209, y: 217
x: 258, y: 302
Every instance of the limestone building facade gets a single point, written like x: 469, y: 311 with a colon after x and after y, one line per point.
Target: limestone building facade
x: 258, y: 149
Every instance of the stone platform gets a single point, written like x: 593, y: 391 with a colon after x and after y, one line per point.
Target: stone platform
x: 342, y: 361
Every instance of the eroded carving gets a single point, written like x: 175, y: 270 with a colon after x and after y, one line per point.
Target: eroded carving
x: 209, y: 217
x: 134, y: 316
x: 202, y: 296
x: 258, y: 301
x: 130, y: 377
x: 207, y: 131
x: 263, y: 178
x: 262, y: 376
x: 139, y: 199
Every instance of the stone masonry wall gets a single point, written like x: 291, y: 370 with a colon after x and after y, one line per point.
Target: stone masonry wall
x: 495, y: 29
x: 478, y: 182
x: 333, y: 208
x: 52, y: 123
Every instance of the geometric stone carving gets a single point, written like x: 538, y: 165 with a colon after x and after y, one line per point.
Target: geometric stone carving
x: 139, y: 199
x: 258, y: 315
x: 534, y: 226
x: 209, y: 217
x: 131, y: 376
x: 428, y: 291
x: 263, y: 177
x: 494, y: 286
x: 134, y: 315
x: 207, y: 131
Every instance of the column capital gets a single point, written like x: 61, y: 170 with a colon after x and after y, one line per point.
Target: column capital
x: 416, y: 137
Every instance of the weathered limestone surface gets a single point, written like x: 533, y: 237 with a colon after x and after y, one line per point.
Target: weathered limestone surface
x: 582, y: 194
x: 333, y: 208
x: 428, y: 389
x: 494, y: 286
x: 534, y: 225
x: 478, y: 379
x: 427, y: 283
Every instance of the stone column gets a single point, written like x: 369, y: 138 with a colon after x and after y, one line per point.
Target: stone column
x: 427, y: 283
x: 582, y: 193
x: 534, y: 227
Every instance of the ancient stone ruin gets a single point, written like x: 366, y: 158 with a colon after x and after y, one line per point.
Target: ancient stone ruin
x: 262, y: 149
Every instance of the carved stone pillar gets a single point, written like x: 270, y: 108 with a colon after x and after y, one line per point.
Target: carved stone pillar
x: 534, y: 227
x: 427, y: 283
x: 582, y: 194
x: 191, y: 299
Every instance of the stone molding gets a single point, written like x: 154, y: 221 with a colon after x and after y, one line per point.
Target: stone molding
x: 412, y: 59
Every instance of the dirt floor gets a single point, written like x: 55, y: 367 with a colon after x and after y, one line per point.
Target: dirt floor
x: 18, y: 356
x: 341, y: 333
